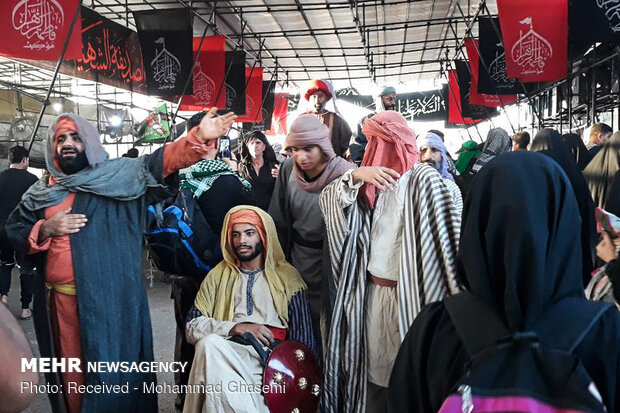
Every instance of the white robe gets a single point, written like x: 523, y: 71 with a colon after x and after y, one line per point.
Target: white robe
x: 230, y: 372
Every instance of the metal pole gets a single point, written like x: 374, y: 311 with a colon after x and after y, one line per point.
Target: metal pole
x: 191, y: 73
x: 486, y: 69
x: 58, y: 64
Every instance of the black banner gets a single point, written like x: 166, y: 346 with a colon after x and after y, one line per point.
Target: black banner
x: 166, y: 43
x: 425, y: 106
x: 591, y: 21
x: 235, y: 82
x: 110, y: 54
x: 351, y: 95
x: 468, y: 110
x: 268, y: 99
x: 493, y: 57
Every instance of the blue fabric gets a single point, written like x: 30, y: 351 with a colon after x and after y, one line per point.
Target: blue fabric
x: 300, y: 323
x: 193, y: 313
x: 249, y: 299
x: 432, y: 140
x: 115, y: 323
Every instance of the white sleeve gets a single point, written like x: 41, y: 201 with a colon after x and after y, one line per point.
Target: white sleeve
x: 347, y: 189
x: 202, y: 326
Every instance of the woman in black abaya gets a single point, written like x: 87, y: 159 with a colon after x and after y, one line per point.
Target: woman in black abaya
x: 518, y: 256
x: 550, y: 143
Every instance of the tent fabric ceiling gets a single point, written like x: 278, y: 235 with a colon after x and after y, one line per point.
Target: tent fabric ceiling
x: 348, y: 42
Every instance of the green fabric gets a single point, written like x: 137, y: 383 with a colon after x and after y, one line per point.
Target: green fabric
x: 200, y: 176
x: 471, y: 150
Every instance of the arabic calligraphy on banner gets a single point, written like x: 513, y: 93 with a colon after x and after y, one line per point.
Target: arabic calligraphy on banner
x: 37, y: 29
x: 427, y: 106
x: 110, y: 54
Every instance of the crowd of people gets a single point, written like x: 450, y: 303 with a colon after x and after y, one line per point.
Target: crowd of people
x: 359, y: 245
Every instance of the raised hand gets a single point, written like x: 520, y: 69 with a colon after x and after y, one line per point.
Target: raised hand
x: 62, y: 223
x: 213, y: 127
x: 382, y: 178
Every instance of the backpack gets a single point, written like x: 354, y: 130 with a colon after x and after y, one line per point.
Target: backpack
x: 179, y: 238
x: 518, y: 372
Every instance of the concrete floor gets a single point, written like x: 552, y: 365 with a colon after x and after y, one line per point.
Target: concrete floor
x: 162, y: 318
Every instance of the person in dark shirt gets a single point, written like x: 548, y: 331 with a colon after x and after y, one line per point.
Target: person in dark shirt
x: 258, y: 165
x: 217, y: 188
x: 13, y: 183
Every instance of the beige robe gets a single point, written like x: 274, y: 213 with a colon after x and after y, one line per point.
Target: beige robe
x: 230, y: 372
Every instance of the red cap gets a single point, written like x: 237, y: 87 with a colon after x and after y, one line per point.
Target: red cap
x: 315, y: 86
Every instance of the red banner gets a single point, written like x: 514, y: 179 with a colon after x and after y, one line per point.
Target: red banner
x: 280, y: 113
x: 535, y: 38
x: 38, y: 29
x: 253, y: 95
x: 475, y: 98
x: 454, y: 101
x: 209, y: 75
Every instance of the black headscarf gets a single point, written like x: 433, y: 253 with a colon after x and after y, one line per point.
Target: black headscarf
x: 603, y: 170
x: 517, y: 251
x: 550, y: 143
x: 577, y: 149
x: 517, y: 254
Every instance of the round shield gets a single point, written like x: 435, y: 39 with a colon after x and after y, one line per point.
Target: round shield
x: 294, y: 378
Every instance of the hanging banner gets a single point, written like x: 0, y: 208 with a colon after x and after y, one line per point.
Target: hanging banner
x: 351, y: 95
x: 426, y: 106
x: 235, y: 82
x: 37, y: 29
x: 496, y: 81
x: 253, y: 93
x: 110, y: 54
x: 464, y: 78
x: 455, y: 115
x: 535, y: 38
x: 592, y: 21
x: 209, y: 75
x: 166, y: 42
x: 280, y: 113
x: 475, y: 98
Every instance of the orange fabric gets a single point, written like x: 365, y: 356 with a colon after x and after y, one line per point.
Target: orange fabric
x: 185, y: 152
x: 245, y: 216
x: 391, y: 144
x: 63, y: 308
x: 64, y: 125
x: 66, y: 330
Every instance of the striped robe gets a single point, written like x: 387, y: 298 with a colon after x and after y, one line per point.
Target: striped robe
x: 427, y: 273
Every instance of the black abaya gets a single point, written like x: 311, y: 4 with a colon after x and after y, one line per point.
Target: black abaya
x: 518, y: 256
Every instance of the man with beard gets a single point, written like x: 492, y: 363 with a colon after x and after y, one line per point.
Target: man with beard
x: 385, y: 100
x: 434, y: 153
x: 318, y: 93
x: 253, y: 290
x: 83, y: 229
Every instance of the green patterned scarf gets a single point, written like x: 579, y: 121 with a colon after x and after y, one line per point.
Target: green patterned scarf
x: 200, y: 176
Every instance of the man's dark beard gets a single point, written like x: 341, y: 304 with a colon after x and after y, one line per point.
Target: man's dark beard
x: 318, y: 107
x: 389, y: 107
x: 257, y: 249
x: 432, y: 163
x: 72, y: 165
